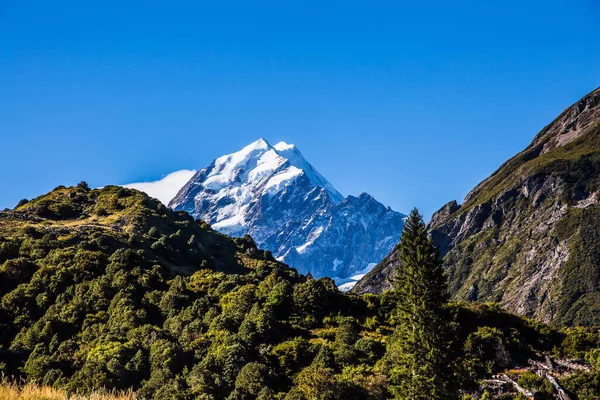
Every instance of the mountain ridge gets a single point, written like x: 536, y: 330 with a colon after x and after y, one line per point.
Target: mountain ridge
x: 526, y: 237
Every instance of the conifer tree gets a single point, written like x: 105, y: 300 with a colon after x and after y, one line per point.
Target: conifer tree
x: 420, y: 348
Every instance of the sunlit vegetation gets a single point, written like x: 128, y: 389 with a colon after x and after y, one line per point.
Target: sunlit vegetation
x: 109, y: 290
x: 30, y: 391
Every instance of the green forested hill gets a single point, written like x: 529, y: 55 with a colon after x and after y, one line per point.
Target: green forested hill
x: 110, y: 289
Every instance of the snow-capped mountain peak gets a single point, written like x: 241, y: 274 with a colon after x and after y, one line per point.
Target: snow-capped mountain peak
x: 249, y: 166
x: 274, y: 194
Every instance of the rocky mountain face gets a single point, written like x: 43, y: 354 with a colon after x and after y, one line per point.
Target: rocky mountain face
x: 273, y: 194
x: 528, y: 237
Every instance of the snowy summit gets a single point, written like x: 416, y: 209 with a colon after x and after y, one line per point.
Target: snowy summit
x: 274, y: 194
x: 237, y: 179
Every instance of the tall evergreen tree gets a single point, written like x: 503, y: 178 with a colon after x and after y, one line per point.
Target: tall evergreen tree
x: 420, y: 349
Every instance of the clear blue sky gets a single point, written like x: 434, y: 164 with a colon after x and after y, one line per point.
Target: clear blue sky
x: 412, y: 102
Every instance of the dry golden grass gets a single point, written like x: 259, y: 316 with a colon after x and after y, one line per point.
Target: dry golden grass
x: 519, y: 371
x: 13, y: 391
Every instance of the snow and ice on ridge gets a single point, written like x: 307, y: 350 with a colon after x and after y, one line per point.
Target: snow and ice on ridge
x: 345, y: 284
x: 336, y: 263
x: 293, y: 155
x: 258, y: 169
x: 313, y: 235
x: 166, y: 188
x: 247, y: 167
x: 280, y: 180
x: 252, y: 162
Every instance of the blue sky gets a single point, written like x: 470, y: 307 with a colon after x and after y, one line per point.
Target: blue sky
x: 412, y: 102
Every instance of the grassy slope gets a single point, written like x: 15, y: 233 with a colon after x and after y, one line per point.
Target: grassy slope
x: 12, y: 391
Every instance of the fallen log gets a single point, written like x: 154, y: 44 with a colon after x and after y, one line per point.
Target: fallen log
x: 524, y: 392
x: 572, y: 364
x: 561, y: 393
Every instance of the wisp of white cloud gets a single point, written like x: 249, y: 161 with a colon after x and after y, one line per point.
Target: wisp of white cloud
x: 166, y: 188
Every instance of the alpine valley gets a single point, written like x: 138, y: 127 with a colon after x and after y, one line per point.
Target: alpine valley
x: 273, y: 194
x: 111, y: 290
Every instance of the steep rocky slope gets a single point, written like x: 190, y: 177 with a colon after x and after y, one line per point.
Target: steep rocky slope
x: 276, y: 196
x: 528, y: 236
